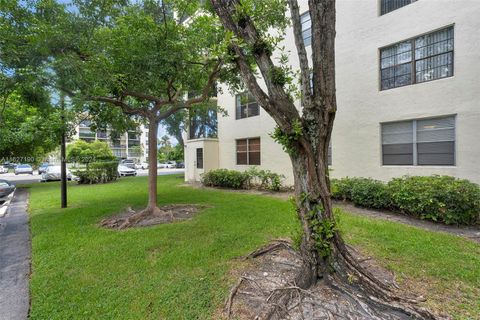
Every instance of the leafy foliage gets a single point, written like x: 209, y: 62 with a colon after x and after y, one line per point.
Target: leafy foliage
x: 288, y: 139
x: 369, y: 193
x: 252, y: 178
x: 167, y: 152
x: 86, y: 152
x: 323, y: 232
x: 437, y: 198
x: 265, y: 179
x: 98, y: 172
x: 225, y: 178
x: 27, y: 131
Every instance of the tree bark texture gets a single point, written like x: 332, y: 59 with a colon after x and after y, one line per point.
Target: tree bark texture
x: 152, y: 165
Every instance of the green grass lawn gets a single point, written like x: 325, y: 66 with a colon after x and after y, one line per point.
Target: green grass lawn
x: 182, y: 270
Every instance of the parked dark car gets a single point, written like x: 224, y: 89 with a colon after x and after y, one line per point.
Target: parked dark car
x: 43, y: 167
x: 180, y: 165
x: 6, y: 188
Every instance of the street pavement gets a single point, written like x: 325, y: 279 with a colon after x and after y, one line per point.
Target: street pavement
x: 15, y: 253
x: 28, y: 179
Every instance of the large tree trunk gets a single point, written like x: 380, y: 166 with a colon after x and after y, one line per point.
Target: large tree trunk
x: 309, y: 159
x: 152, y: 165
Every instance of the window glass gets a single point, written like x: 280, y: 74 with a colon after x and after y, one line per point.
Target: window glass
x: 246, y: 106
x: 419, y: 142
x: 433, y: 59
x: 248, y: 151
x: 306, y: 28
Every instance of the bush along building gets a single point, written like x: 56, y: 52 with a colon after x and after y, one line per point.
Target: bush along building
x: 129, y: 145
x: 407, y: 90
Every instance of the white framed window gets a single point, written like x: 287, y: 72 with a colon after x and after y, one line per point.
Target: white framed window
x: 419, y: 142
x: 424, y: 58
x: 248, y: 151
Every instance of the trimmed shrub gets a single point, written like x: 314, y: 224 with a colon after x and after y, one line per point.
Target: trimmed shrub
x: 438, y: 198
x: 98, y: 172
x: 225, y: 178
x: 370, y: 193
x: 252, y: 178
x: 265, y: 179
x: 363, y: 192
x: 341, y: 189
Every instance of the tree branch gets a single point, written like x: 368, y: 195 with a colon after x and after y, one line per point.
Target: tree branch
x: 206, y: 89
x: 284, y: 110
x: 302, y: 52
x: 126, y: 108
x: 323, y: 52
x: 176, y: 105
x: 145, y: 97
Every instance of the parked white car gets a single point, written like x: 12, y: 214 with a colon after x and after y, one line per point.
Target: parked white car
x: 167, y: 165
x: 143, y: 166
x: 23, y: 169
x: 126, y: 171
x: 3, y: 169
x: 171, y: 164
x: 53, y: 173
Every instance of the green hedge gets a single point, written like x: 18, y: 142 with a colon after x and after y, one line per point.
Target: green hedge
x: 98, y: 172
x: 438, y: 198
x: 225, y: 178
x: 252, y: 178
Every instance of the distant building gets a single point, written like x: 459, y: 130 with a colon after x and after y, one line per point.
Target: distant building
x: 407, y: 90
x: 129, y: 145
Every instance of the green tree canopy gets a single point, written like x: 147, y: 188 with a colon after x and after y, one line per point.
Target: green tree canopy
x: 86, y: 152
x: 120, y: 61
x: 27, y: 131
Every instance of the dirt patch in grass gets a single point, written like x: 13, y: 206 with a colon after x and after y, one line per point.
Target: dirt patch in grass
x: 167, y: 214
x: 269, y: 289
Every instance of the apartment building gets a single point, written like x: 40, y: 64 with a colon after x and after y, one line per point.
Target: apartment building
x: 129, y: 145
x: 407, y: 89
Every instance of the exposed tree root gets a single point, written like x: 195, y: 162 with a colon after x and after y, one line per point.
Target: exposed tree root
x: 151, y: 216
x: 273, y: 245
x: 357, y: 289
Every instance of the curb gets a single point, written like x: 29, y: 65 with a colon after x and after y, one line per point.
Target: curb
x: 6, y: 205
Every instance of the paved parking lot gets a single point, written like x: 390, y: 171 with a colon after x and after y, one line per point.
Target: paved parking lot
x: 27, y: 178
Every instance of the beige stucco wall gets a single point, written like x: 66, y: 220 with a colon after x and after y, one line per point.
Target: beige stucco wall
x: 210, y: 157
x: 356, y: 141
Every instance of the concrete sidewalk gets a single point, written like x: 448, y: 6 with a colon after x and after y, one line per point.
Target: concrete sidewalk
x: 15, y: 250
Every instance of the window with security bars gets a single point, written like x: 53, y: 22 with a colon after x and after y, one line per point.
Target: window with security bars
x: 424, y: 58
x: 199, y: 158
x: 246, y: 106
x: 390, y: 5
x: 306, y: 28
x: 419, y: 142
x: 248, y: 151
